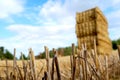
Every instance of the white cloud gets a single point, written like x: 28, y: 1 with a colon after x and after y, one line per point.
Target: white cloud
x: 53, y: 11
x: 58, y: 12
x: 58, y: 23
x: 27, y: 36
x: 116, y: 2
x: 114, y: 15
x: 63, y: 12
x: 10, y: 7
x: 114, y: 33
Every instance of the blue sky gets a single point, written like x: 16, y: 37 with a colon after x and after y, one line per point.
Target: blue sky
x: 33, y: 24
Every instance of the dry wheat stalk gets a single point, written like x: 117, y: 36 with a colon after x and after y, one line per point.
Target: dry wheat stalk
x: 119, y: 51
x: 74, y: 62
x: 15, y: 65
x: 32, y: 64
x: 48, y: 62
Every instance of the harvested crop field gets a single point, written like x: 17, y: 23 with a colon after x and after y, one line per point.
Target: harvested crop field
x: 64, y: 66
x: 91, y: 59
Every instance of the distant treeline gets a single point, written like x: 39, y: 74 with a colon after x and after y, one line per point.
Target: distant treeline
x: 6, y: 54
x: 68, y: 50
x: 115, y: 43
x: 61, y: 51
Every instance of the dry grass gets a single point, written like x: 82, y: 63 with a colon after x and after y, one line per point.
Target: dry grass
x: 65, y: 68
x: 40, y: 66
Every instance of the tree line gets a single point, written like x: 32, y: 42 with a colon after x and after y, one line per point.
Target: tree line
x: 6, y: 54
x: 61, y: 51
x: 68, y: 50
x: 115, y: 43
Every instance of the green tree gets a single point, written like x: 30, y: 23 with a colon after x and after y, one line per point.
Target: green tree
x: 42, y: 55
x: 24, y: 57
x: 115, y: 43
x: 2, y: 49
x: 2, y: 53
x: 118, y: 41
x: 51, y: 53
x: 8, y: 55
x: 67, y: 51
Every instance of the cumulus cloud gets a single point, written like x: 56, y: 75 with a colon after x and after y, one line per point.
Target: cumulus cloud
x: 37, y: 37
x: 58, y: 12
x: 115, y: 34
x: 55, y: 23
x: 10, y: 7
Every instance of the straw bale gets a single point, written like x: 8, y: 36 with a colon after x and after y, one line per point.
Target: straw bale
x: 77, y: 18
x: 86, y: 40
x: 101, y: 25
x: 80, y: 18
x: 85, y: 29
x: 90, y: 25
x: 99, y: 12
x: 102, y: 50
x: 104, y: 39
x: 79, y: 43
x: 104, y: 34
x: 89, y: 15
x: 100, y: 28
x: 99, y: 19
x: 83, y: 17
x: 82, y: 40
x: 77, y: 30
x: 104, y: 45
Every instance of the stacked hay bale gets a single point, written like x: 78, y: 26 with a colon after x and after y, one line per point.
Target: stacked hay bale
x: 92, y: 25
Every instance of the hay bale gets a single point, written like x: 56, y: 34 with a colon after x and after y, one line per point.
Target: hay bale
x: 90, y: 25
x: 103, y: 39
